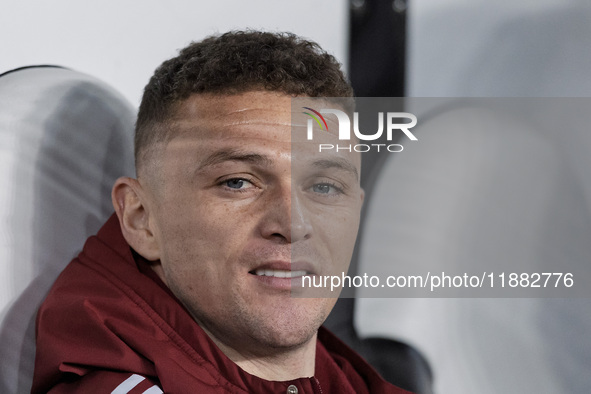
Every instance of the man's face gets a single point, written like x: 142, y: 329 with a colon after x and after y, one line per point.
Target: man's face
x: 237, y: 206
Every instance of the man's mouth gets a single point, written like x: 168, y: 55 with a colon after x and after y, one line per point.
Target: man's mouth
x: 283, y: 270
x: 279, y: 273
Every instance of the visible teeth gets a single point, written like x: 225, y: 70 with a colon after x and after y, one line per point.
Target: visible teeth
x: 280, y: 273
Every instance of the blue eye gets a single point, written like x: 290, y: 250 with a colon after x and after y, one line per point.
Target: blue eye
x: 326, y: 188
x: 237, y: 183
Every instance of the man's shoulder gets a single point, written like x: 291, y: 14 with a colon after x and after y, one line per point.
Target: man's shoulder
x: 103, y: 269
x: 96, y: 315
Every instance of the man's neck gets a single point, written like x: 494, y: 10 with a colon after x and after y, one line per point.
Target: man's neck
x: 290, y: 364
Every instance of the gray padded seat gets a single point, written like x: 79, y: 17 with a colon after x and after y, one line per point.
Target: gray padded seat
x: 487, y: 193
x: 64, y: 139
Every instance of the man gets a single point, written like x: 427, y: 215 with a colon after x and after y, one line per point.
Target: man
x: 188, y: 288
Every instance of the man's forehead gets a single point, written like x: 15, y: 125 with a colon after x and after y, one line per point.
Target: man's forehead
x: 223, y: 106
x: 204, y: 112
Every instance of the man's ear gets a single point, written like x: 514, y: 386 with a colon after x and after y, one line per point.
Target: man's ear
x: 132, y: 207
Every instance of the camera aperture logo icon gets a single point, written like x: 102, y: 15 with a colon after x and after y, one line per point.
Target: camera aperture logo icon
x: 325, y: 128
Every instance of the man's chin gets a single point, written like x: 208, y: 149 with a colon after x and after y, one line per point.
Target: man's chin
x: 288, y: 327
x: 281, y: 340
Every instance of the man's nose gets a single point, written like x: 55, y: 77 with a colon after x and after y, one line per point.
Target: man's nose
x: 286, y: 218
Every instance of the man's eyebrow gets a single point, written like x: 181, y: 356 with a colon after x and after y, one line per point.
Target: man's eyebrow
x: 235, y: 155
x: 339, y: 163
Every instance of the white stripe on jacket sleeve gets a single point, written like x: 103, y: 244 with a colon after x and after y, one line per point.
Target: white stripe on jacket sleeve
x: 153, y: 390
x: 128, y: 384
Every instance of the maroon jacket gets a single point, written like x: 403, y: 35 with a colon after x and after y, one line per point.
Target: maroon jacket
x: 110, y: 324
